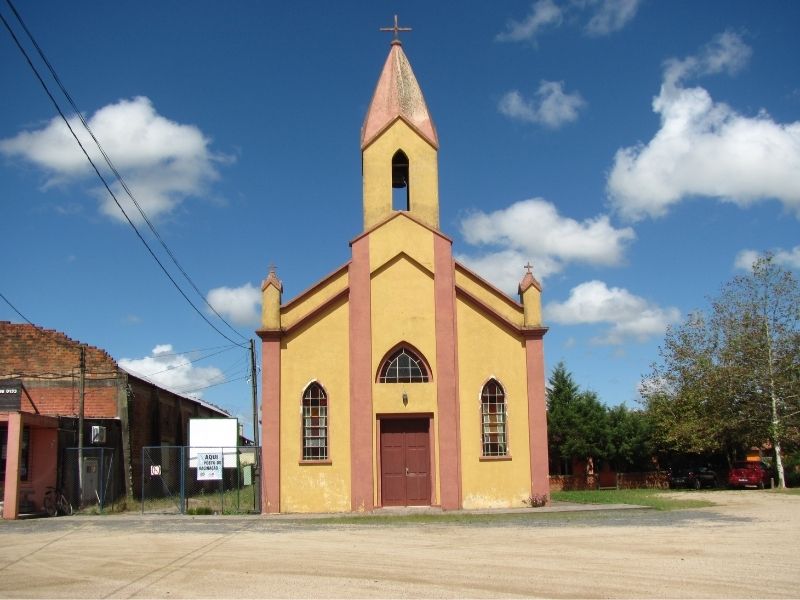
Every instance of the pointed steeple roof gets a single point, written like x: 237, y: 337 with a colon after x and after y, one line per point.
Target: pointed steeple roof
x: 397, y: 95
x: 529, y: 280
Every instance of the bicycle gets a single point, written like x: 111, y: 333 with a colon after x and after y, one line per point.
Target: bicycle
x: 56, y: 503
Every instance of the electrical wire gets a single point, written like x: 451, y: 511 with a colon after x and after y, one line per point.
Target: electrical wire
x: 196, y: 350
x: 14, y: 308
x: 214, y: 385
x: 103, y: 180
x: 189, y: 362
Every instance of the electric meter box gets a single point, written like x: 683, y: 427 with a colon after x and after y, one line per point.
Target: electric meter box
x: 98, y: 434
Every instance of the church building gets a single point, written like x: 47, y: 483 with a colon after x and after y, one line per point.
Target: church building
x: 402, y: 378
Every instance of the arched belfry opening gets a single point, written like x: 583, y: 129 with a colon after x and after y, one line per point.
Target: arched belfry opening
x: 401, y: 189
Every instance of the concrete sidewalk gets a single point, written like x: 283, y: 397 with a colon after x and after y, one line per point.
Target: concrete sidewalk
x: 400, y: 511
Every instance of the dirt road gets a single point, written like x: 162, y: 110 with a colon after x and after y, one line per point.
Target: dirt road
x: 748, y: 546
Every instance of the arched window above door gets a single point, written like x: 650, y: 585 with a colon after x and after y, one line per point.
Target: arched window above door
x: 403, y: 366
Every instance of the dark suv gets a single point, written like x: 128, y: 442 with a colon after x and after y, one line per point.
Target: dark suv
x: 693, y: 477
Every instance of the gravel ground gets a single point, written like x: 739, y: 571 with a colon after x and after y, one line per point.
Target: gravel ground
x: 747, y: 546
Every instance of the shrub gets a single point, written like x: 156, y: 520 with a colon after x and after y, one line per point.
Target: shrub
x: 536, y: 500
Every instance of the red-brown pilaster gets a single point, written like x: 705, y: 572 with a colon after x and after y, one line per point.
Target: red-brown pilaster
x: 13, y: 455
x: 447, y: 376
x: 361, y: 419
x: 271, y: 421
x: 537, y: 412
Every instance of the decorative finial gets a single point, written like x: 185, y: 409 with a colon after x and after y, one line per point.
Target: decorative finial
x: 396, y: 30
x: 529, y: 280
x: 272, y: 278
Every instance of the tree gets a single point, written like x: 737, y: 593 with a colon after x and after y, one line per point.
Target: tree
x: 561, y: 396
x: 687, y: 394
x: 730, y: 379
x: 577, y: 423
x: 629, y: 444
x: 760, y: 313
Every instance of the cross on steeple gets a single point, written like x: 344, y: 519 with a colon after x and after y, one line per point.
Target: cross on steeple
x: 396, y: 30
x: 528, y: 267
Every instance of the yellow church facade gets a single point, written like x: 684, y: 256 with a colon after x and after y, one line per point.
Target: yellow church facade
x: 402, y: 378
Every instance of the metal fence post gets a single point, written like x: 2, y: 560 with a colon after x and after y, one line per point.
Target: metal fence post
x: 184, y: 468
x: 142, y: 479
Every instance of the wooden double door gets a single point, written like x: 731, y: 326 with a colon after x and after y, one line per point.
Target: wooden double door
x: 405, y: 462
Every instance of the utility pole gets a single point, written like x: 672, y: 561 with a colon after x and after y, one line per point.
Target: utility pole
x: 257, y: 465
x: 81, y: 386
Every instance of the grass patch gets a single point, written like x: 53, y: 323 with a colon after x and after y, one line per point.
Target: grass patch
x: 790, y: 491
x: 229, y: 502
x: 200, y: 510
x: 657, y: 499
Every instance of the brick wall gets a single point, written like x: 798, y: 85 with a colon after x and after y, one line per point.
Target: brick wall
x: 48, y: 363
x: 647, y: 479
x: 27, y: 350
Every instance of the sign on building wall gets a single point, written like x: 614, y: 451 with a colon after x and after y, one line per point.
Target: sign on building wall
x: 10, y: 394
x: 209, y: 466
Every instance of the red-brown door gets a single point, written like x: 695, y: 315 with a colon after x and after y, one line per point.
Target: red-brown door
x: 405, y: 462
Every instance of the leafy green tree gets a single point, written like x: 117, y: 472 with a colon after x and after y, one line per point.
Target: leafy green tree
x: 730, y: 379
x: 577, y: 423
x: 759, y: 315
x: 629, y: 445
x: 687, y: 393
x: 561, y: 396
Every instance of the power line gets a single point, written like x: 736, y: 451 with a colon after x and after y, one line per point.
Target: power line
x: 195, y: 351
x: 14, y: 308
x: 116, y: 173
x: 188, y: 362
x: 213, y: 385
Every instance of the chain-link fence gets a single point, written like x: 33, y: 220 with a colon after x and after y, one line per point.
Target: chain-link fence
x: 91, y: 477
x: 190, y: 480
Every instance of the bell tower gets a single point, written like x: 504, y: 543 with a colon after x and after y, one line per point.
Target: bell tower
x: 399, y: 145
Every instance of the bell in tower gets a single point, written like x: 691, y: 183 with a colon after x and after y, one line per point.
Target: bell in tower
x: 399, y: 170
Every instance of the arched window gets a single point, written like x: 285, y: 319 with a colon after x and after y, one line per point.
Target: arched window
x: 493, y: 420
x: 315, y: 423
x: 401, y: 199
x: 403, y: 366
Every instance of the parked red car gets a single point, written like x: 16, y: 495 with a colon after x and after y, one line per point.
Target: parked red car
x: 749, y: 474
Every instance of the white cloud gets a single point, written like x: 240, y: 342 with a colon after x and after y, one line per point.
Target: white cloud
x: 726, y: 53
x: 163, y: 162
x: 242, y: 304
x: 630, y: 316
x: 610, y: 16
x: 533, y: 230
x: 705, y: 148
x: 544, y: 13
x: 172, y: 371
x: 787, y: 258
x: 604, y: 17
x: 551, y: 107
x: 504, y: 268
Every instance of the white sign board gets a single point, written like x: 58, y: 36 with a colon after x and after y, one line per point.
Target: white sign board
x: 209, y: 466
x: 210, y: 436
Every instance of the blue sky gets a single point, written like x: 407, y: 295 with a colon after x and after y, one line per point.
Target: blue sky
x: 638, y: 152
